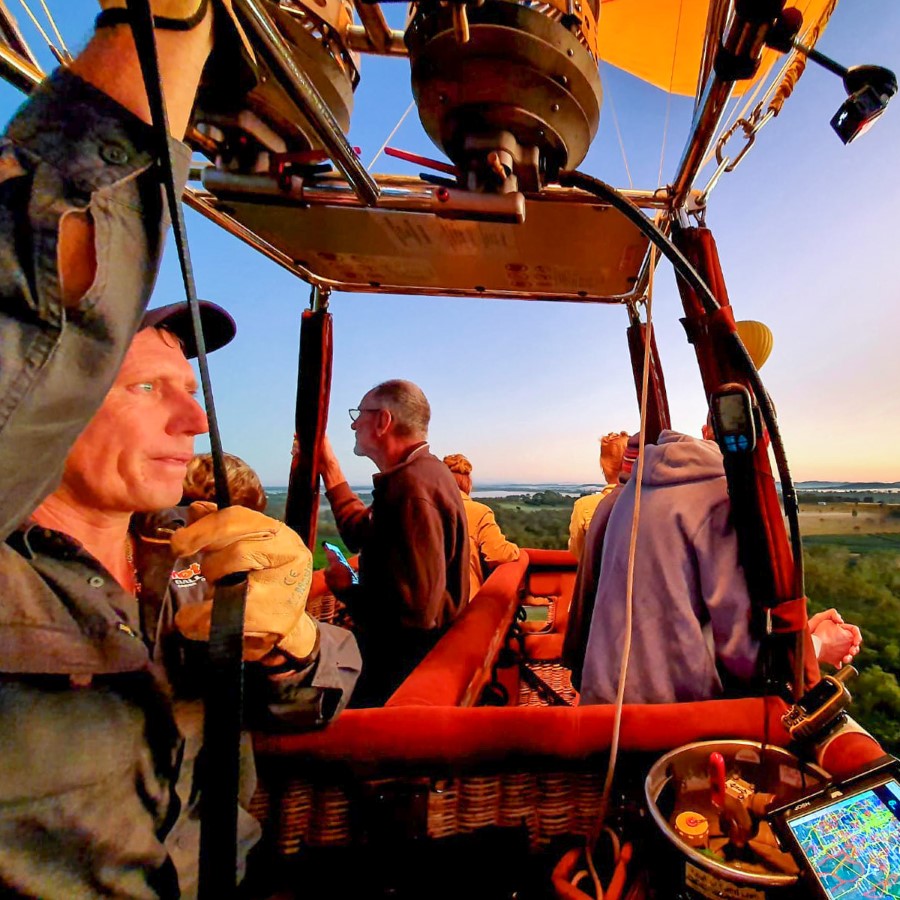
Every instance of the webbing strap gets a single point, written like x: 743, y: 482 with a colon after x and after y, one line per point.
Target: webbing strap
x: 773, y: 571
x: 788, y: 617
x: 657, y: 400
x: 223, y: 700
x: 311, y: 419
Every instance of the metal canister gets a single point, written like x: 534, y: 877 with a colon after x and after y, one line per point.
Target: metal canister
x: 693, y: 829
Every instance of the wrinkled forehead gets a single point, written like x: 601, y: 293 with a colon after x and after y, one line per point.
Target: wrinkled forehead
x: 155, y: 353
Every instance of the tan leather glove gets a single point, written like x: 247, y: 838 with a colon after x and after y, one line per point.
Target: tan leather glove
x: 279, y: 572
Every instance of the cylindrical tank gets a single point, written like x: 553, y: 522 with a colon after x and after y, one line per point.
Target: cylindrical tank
x: 678, y: 794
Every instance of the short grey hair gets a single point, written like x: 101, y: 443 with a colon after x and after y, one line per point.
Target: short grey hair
x: 407, y: 404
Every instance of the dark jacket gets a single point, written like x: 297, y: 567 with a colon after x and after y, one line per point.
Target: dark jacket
x: 96, y: 781
x: 413, y: 566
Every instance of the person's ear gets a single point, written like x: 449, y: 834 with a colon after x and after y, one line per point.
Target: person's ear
x: 384, y: 422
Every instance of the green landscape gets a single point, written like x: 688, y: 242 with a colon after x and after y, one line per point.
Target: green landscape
x: 852, y: 563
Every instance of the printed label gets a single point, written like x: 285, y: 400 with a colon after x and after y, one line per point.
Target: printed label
x: 187, y: 577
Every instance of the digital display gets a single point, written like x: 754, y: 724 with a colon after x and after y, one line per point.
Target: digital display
x: 853, y: 844
x: 732, y: 413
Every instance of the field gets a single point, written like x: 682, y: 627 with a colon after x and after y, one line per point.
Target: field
x: 849, y: 518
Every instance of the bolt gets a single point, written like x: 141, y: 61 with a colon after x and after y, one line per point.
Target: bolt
x: 442, y: 98
x: 563, y: 81
x: 570, y: 52
x: 554, y: 108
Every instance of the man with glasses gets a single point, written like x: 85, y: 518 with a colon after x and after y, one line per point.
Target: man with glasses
x: 412, y: 541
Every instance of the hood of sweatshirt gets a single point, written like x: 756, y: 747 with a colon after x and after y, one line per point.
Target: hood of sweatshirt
x: 679, y: 459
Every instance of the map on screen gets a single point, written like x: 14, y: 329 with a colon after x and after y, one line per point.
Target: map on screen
x: 853, y: 844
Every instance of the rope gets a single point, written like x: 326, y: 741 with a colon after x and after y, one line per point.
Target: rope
x: 798, y: 66
x: 665, y: 134
x: 612, y: 109
x: 223, y: 691
x: 53, y: 48
x: 59, y: 37
x: 632, y: 546
x: 390, y: 136
x: 781, y: 86
x: 629, y: 586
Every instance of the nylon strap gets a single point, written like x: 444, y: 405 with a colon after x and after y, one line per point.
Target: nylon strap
x: 223, y: 699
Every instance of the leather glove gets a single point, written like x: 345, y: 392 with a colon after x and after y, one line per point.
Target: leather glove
x: 279, y: 572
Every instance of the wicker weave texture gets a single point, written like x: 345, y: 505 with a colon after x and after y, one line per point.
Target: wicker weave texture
x: 547, y: 804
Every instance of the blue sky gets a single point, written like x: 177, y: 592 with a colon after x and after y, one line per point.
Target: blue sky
x: 806, y: 232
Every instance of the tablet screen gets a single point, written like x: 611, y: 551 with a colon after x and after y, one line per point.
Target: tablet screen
x: 853, y: 844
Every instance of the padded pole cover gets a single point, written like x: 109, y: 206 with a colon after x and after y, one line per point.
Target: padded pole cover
x: 310, y: 421
x: 657, y: 401
x: 765, y: 551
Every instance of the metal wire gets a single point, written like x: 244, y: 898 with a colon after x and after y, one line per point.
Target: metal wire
x: 59, y: 37
x: 612, y: 109
x: 388, y: 139
x: 53, y: 48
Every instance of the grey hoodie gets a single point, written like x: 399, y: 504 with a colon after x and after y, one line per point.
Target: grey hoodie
x: 691, y: 606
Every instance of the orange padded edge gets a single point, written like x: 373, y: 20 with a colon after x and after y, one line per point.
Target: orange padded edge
x: 459, y: 666
x: 552, y: 559
x: 848, y: 753
x: 456, y: 735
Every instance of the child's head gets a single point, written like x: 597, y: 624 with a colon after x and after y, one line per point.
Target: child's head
x: 244, y: 484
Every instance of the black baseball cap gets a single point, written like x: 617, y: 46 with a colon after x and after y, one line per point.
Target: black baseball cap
x: 218, y: 326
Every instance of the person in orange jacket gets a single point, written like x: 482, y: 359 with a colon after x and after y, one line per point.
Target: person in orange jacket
x: 487, y: 544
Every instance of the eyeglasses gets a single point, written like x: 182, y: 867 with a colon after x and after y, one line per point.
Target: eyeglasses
x: 356, y: 413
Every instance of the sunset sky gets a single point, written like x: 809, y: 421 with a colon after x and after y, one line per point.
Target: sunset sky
x: 806, y: 232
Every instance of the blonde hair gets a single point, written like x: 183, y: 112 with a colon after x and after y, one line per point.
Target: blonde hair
x: 244, y: 484
x: 461, y: 469
x: 612, y: 452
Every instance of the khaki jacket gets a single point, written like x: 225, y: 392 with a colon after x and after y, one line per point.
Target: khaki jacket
x: 487, y: 543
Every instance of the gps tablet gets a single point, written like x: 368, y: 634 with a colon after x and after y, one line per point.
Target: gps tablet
x: 847, y: 838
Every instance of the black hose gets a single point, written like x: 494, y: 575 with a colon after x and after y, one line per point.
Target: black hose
x: 683, y: 267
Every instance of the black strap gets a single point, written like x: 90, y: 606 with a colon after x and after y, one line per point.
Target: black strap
x: 111, y: 17
x: 544, y: 691
x: 224, y: 689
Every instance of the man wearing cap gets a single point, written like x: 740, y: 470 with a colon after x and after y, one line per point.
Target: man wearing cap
x: 99, y: 762
x: 97, y: 786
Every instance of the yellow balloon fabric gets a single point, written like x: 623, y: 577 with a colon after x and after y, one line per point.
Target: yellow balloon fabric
x: 758, y: 340
x: 661, y: 41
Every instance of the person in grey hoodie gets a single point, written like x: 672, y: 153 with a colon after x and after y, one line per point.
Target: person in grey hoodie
x: 691, y: 620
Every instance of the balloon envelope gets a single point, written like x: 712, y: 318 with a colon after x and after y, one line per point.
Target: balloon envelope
x: 758, y: 340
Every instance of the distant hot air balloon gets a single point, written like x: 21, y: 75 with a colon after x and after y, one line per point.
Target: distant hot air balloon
x: 758, y: 340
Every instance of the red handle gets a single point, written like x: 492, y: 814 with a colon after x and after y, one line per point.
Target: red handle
x: 717, y: 780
